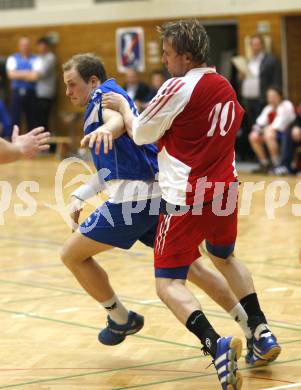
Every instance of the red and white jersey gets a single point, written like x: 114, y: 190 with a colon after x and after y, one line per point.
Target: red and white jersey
x: 279, y: 118
x: 196, y: 118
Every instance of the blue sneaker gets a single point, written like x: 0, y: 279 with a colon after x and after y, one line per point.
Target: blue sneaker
x: 114, y: 333
x: 265, y: 346
x: 249, y: 355
x: 255, y: 361
x: 228, y: 352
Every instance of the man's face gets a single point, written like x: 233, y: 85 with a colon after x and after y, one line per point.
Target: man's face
x: 256, y: 46
x: 273, y: 97
x: 131, y: 77
x: 42, y: 48
x: 177, y: 64
x: 76, y: 88
x: 24, y: 46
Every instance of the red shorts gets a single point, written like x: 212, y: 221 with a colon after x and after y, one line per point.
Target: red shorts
x: 179, y: 236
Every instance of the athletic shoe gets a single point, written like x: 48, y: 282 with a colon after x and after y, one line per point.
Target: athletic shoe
x: 227, y: 354
x: 249, y: 344
x: 281, y: 170
x: 251, y: 359
x: 265, y: 344
x: 255, y: 361
x: 114, y: 333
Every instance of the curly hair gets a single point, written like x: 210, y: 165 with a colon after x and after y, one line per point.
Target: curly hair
x: 187, y: 36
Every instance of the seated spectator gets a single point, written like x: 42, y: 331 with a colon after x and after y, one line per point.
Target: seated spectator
x: 291, y: 140
x: 136, y: 89
x: 158, y: 78
x: 5, y: 122
x: 269, y: 128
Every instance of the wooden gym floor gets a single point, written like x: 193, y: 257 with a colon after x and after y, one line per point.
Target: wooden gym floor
x: 49, y: 325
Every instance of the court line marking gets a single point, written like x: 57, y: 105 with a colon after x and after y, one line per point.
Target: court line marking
x: 96, y: 328
x: 25, y: 239
x: 68, y: 310
x: 35, y: 299
x: 100, y: 372
x: 32, y: 315
x: 284, y: 387
x: 178, y: 379
x: 47, y: 286
x: 149, y: 338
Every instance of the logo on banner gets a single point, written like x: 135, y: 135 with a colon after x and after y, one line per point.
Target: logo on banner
x: 130, y: 49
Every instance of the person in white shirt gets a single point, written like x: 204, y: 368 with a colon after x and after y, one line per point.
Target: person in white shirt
x: 46, y: 81
x: 264, y: 70
x: 269, y: 128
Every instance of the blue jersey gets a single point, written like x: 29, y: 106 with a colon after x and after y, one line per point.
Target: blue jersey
x: 24, y: 64
x: 126, y: 160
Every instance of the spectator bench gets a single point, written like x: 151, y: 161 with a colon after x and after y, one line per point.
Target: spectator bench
x: 63, y: 145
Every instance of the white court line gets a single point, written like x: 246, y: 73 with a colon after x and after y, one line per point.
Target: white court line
x: 148, y: 301
x: 295, y: 385
x: 68, y: 310
x: 276, y: 289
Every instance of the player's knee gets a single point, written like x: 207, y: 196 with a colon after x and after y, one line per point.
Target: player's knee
x: 269, y: 136
x: 296, y: 134
x: 66, y: 257
x: 254, y: 137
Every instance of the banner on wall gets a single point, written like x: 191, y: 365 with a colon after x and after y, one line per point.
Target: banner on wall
x: 130, y: 49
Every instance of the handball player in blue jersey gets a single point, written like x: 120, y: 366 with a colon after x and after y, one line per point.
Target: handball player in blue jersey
x: 126, y: 172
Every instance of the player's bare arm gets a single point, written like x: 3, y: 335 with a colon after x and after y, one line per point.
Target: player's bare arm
x: 112, y: 128
x: 117, y: 102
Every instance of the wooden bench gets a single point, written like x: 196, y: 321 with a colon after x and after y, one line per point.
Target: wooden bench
x: 63, y: 144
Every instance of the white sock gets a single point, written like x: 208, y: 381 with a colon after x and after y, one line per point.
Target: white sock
x: 117, y: 312
x: 239, y: 314
x: 275, y: 161
x: 264, y: 162
x: 262, y: 330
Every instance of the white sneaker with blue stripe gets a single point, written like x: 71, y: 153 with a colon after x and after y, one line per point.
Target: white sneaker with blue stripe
x: 228, y: 352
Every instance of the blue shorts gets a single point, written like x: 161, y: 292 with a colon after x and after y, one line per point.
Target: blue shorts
x: 122, y: 224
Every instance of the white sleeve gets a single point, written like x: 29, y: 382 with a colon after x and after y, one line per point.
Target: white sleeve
x: 170, y: 100
x: 285, y: 116
x: 37, y: 65
x: 11, y: 64
x: 86, y: 191
x: 45, y: 65
x: 263, y: 119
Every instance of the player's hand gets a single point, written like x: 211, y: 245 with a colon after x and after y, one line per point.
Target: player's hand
x: 31, y: 143
x: 75, y: 208
x: 98, y: 137
x: 113, y: 101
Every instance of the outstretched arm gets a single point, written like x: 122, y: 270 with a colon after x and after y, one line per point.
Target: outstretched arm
x: 112, y: 128
x: 23, y: 146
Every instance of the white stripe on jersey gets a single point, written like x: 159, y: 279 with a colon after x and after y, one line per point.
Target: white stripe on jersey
x: 160, y: 242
